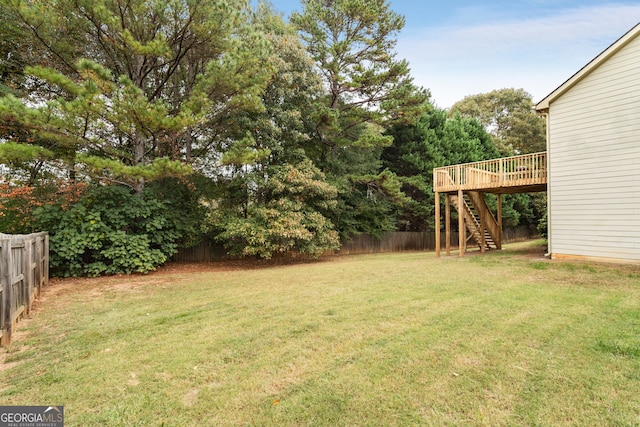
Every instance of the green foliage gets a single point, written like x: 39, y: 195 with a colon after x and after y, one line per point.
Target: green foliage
x: 14, y: 52
x: 244, y: 152
x: 543, y: 226
x: 286, y: 213
x: 283, y: 131
x: 108, y: 231
x: 367, y: 89
x: 224, y: 120
x: 183, y: 208
x: 367, y: 201
x: 18, y: 202
x: 120, y: 88
x: 516, y: 128
x: 158, y: 169
x: 352, y: 43
x: 361, y: 212
x: 14, y: 154
x: 90, y: 116
x: 516, y: 209
x: 509, y: 116
x: 434, y: 140
x: 272, y: 199
x: 413, y: 155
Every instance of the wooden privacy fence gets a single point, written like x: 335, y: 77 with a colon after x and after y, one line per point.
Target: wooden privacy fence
x: 24, y: 270
x: 391, y: 242
x: 400, y: 241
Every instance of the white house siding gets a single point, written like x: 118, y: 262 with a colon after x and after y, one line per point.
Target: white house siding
x: 594, y: 162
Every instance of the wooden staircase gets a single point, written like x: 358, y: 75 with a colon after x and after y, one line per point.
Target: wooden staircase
x: 479, y: 221
x: 517, y: 174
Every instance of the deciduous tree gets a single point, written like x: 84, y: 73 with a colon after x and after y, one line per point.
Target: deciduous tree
x: 509, y: 116
x: 289, y: 215
x: 516, y: 128
x: 272, y: 199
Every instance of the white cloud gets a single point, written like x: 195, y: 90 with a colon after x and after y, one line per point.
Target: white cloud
x: 537, y: 53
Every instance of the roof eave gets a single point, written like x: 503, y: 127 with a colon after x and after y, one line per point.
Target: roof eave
x: 587, y: 69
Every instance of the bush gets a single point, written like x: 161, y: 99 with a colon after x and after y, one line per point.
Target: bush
x: 184, y: 211
x: 108, y: 231
x: 18, y: 203
x: 285, y: 216
x: 543, y: 226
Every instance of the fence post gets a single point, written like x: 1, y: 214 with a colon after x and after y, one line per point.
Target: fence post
x: 27, y: 272
x: 5, y: 280
x: 37, y: 269
x: 45, y: 259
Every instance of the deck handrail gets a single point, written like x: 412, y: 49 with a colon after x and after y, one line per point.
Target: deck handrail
x: 515, y: 171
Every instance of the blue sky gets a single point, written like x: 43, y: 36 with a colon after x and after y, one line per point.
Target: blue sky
x: 457, y: 48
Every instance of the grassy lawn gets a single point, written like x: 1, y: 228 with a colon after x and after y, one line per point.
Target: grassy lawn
x: 507, y: 338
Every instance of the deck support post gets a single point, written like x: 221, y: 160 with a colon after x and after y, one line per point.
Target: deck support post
x: 447, y: 225
x: 462, y: 231
x: 499, y: 242
x: 438, y: 224
x: 483, y: 220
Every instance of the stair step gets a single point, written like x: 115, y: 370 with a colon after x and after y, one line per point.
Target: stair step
x: 473, y: 225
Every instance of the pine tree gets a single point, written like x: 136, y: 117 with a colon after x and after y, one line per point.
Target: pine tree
x: 130, y: 92
x: 367, y: 89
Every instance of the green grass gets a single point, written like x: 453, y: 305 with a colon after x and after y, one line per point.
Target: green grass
x: 507, y: 338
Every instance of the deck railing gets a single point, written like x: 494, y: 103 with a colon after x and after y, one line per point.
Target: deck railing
x: 516, y: 171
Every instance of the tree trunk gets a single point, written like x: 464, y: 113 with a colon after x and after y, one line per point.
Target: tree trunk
x: 188, y: 145
x: 139, y: 160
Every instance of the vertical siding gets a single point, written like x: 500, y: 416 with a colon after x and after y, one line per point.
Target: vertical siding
x: 594, y: 164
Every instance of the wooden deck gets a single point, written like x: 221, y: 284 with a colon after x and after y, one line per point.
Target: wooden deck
x: 464, y: 187
x: 518, y: 174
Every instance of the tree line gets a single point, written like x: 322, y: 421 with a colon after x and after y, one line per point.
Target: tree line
x: 128, y: 129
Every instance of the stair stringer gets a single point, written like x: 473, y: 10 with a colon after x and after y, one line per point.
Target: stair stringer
x: 472, y: 223
x: 490, y: 224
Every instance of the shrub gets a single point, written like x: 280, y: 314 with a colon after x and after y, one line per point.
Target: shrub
x: 18, y: 202
x: 184, y: 211
x: 287, y: 214
x: 108, y: 231
x: 543, y: 226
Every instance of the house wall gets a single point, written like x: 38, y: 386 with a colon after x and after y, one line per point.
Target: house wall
x: 594, y: 162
